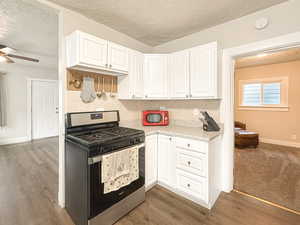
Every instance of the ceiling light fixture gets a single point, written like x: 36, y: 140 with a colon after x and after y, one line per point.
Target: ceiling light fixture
x: 262, y: 55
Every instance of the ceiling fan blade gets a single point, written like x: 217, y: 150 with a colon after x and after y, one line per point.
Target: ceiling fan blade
x: 8, y: 60
x: 23, y: 58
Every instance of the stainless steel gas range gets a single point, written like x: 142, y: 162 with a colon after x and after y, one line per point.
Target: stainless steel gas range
x: 90, y: 136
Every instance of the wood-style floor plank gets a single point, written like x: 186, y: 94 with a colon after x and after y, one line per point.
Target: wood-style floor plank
x: 29, y: 187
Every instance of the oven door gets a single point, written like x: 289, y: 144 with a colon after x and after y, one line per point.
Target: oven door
x: 99, y: 201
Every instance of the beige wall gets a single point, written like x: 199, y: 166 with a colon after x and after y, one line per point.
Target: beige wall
x: 284, y: 19
x: 274, y: 125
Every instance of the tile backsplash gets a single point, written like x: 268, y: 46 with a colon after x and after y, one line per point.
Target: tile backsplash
x: 180, y: 110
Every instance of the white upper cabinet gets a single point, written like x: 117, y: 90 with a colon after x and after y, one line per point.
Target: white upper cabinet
x: 93, y: 51
x: 90, y: 53
x: 132, y: 86
x: 155, y: 76
x: 203, y: 71
x: 117, y: 57
x: 178, y: 69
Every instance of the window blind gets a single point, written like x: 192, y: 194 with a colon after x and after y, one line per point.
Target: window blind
x: 271, y: 94
x: 252, y: 94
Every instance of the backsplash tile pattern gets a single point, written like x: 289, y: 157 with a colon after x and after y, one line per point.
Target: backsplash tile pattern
x: 180, y: 110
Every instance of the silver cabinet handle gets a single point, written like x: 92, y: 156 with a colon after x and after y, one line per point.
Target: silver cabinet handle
x: 189, y: 145
x: 186, y: 96
x: 146, y: 96
x: 188, y: 185
x: 170, y: 139
x: 110, y: 66
x: 189, y: 163
x: 106, y: 65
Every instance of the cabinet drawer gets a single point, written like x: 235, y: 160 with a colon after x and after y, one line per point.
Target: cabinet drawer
x: 193, y: 145
x: 192, y: 162
x: 192, y: 187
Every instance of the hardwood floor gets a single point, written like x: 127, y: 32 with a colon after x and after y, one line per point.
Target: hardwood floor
x: 270, y: 172
x: 28, y: 196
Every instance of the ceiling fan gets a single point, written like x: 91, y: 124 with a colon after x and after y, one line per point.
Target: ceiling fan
x: 6, y: 55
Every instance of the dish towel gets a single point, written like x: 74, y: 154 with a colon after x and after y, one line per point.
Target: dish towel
x: 88, y: 93
x: 120, y: 169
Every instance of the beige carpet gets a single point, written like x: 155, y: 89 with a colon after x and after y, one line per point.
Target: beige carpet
x: 270, y: 172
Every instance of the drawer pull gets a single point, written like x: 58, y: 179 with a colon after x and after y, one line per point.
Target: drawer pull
x: 189, y: 163
x: 189, y: 145
x: 188, y: 185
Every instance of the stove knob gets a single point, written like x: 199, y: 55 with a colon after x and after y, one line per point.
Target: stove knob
x: 132, y: 141
x: 138, y: 140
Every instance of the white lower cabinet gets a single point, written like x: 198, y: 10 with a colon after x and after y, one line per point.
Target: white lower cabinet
x: 188, y: 167
x: 166, y: 173
x: 151, y: 161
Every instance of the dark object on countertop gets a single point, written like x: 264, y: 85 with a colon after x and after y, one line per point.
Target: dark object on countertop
x: 209, y: 124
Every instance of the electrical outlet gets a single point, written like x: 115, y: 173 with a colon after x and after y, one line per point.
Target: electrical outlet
x: 99, y: 109
x: 294, y: 137
x: 196, y: 112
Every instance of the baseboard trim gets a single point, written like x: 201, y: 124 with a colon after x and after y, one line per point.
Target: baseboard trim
x: 280, y: 142
x: 7, y: 141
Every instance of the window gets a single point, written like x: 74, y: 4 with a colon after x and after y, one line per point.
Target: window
x: 264, y: 93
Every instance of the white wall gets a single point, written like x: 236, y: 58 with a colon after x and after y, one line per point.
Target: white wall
x: 16, y: 98
x: 284, y: 19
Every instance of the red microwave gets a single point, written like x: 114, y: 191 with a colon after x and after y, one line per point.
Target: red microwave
x: 155, y: 118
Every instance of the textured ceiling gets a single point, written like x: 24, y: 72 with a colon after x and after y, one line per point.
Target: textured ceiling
x: 269, y: 58
x: 154, y: 22
x: 28, y: 28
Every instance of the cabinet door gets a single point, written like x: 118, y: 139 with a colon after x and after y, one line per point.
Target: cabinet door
x: 151, y: 160
x: 179, y: 74
x: 138, y: 81
x: 166, y: 161
x: 203, y: 71
x: 93, y: 50
x: 155, y: 75
x: 117, y: 57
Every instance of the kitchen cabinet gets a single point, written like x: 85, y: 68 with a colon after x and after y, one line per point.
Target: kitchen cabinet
x: 151, y: 161
x: 166, y: 166
x: 203, y: 71
x: 179, y: 79
x: 187, y: 167
x: 198, y: 173
x: 90, y: 53
x: 132, y: 86
x: 155, y: 76
x: 117, y: 57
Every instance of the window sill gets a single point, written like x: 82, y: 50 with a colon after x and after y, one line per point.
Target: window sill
x: 264, y: 108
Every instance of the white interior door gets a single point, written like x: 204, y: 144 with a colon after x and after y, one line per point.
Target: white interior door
x: 44, y: 109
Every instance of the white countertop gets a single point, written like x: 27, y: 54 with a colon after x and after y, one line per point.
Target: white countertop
x: 174, y: 130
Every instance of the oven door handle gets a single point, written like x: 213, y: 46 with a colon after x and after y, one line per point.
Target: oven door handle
x: 98, y: 158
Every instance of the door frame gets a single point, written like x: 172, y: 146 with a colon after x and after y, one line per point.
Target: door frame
x: 227, y: 103
x: 29, y: 103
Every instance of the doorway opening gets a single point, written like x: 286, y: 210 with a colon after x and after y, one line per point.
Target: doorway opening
x: 267, y: 126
